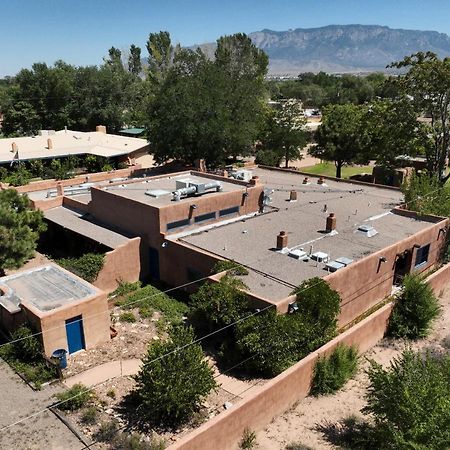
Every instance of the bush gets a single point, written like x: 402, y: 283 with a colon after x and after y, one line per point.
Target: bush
x: 133, y: 441
x: 219, y: 304
x: 333, y: 371
x: 409, y: 401
x: 25, y: 345
x: 74, y: 398
x: 170, y: 389
x: 232, y: 267
x: 414, y: 310
x: 248, y: 440
x: 151, y: 297
x: 125, y: 288
x: 107, y: 431
x: 127, y: 316
x: 86, y: 266
x: 20, y: 177
x: 268, y: 158
x: 89, y: 415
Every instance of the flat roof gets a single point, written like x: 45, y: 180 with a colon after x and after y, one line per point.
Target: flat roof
x: 252, y: 241
x: 68, y: 142
x: 83, y: 224
x: 162, y: 188
x: 46, y: 288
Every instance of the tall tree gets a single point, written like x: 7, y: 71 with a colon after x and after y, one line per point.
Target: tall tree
x: 427, y: 82
x: 287, y: 130
x: 339, y: 138
x: 160, y: 55
x: 114, y: 59
x: 134, y: 60
x: 20, y: 228
x: 241, y: 68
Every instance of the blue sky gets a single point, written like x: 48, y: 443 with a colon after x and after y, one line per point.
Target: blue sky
x: 81, y: 31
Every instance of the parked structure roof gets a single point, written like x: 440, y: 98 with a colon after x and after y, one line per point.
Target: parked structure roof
x: 252, y: 241
x: 66, y: 143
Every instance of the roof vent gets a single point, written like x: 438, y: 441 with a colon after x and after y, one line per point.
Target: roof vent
x: 156, y: 193
x: 368, y: 230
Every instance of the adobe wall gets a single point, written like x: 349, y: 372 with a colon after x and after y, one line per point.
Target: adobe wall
x: 72, y: 202
x: 121, y: 264
x: 47, y: 203
x: 95, y: 315
x: 439, y: 280
x: 367, y: 281
x: 280, y: 393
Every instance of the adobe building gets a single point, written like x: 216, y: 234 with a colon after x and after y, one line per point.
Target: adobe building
x: 71, y: 313
x: 284, y: 227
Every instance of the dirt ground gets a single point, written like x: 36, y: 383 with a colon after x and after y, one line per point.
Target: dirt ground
x: 300, y: 424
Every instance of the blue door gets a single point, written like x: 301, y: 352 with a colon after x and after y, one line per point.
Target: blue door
x: 75, y: 334
x: 153, y: 260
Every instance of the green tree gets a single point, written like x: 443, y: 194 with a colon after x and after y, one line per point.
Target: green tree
x: 287, y: 130
x: 174, y: 379
x: 415, y: 309
x: 427, y: 83
x: 20, y: 228
x: 410, y: 402
x: 134, y: 60
x: 114, y: 59
x: 160, y: 55
x: 220, y: 304
x: 339, y: 138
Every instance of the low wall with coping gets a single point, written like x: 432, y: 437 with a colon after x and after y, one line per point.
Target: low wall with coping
x: 439, y: 280
x: 280, y: 393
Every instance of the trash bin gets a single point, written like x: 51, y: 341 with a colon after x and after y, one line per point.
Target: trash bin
x: 60, y: 355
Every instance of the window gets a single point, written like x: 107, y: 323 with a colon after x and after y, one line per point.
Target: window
x: 229, y: 211
x: 422, y: 255
x: 204, y: 217
x: 177, y: 224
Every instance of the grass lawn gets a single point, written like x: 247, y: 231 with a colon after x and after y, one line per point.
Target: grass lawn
x: 329, y: 169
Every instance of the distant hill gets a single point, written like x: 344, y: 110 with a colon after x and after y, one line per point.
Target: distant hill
x: 342, y: 48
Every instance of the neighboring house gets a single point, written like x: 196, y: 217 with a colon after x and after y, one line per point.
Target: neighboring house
x: 51, y: 144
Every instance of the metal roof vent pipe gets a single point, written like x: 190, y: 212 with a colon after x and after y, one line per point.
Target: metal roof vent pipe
x: 293, y: 196
x: 306, y: 180
x: 331, y: 223
x: 282, y: 240
x: 320, y: 180
x: 49, y: 144
x: 14, y: 147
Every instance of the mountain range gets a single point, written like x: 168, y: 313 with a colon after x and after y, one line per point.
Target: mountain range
x: 342, y: 48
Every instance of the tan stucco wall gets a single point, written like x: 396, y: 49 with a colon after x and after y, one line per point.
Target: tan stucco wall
x: 121, y: 264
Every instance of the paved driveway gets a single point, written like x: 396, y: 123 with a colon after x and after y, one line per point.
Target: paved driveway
x: 18, y: 400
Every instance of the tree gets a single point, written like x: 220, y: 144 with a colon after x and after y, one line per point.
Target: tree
x: 427, y: 83
x: 114, y: 60
x: 174, y: 379
x: 134, y: 60
x: 415, y: 309
x: 286, y: 131
x: 220, y: 304
x: 392, y: 129
x: 160, y: 55
x: 339, y: 138
x: 20, y: 228
x: 409, y: 402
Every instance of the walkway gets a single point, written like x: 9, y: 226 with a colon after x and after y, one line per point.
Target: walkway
x: 127, y: 367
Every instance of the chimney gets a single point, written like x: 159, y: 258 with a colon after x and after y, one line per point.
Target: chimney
x: 331, y: 223
x: 100, y: 129
x: 59, y: 188
x: 293, y: 196
x: 282, y: 240
x: 14, y: 148
x: 320, y: 180
x: 254, y: 181
x: 49, y: 144
x: 305, y: 180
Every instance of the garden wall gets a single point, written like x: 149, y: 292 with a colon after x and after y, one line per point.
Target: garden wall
x: 439, y: 280
x: 277, y: 395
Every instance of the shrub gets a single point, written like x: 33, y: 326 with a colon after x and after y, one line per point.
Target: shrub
x: 332, y: 372
x: 409, y: 401
x: 127, y: 316
x: 89, y: 415
x: 414, y: 310
x: 86, y: 266
x: 20, y: 177
x: 151, y: 297
x: 125, y: 288
x: 133, y: 441
x: 171, y: 388
x: 25, y: 345
x: 232, y: 267
x: 111, y: 393
x: 145, y: 312
x: 74, y: 398
x: 107, y: 431
x: 268, y: 158
x: 220, y: 304
x: 248, y: 440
